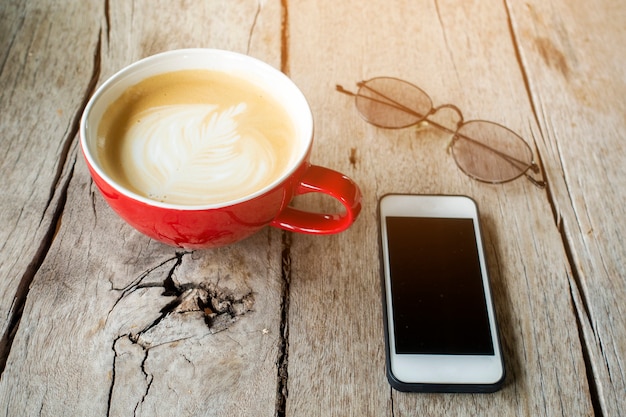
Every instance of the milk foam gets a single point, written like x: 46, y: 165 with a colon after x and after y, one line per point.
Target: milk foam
x: 196, y: 154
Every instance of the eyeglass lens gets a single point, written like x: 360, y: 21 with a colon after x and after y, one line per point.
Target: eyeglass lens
x: 392, y: 103
x: 490, y: 152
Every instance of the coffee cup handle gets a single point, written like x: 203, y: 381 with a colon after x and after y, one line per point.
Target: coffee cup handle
x: 318, y: 179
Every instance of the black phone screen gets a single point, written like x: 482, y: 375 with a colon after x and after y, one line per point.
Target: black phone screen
x: 438, y: 299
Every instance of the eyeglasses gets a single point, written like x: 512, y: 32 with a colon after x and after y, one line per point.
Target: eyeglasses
x: 483, y: 150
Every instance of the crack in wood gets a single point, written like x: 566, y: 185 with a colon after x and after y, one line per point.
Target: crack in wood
x: 282, y: 361
x: 113, y: 367
x: 149, y: 378
x: 284, y: 35
x: 593, y: 386
x: 445, y: 39
x: 254, y: 21
x: 121, y: 350
x: 107, y: 20
x: 220, y: 308
x: 216, y: 304
x: 74, y: 128
x: 518, y: 56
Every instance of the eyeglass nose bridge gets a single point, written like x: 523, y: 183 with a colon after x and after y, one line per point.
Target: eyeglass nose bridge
x: 454, y: 108
x: 446, y: 129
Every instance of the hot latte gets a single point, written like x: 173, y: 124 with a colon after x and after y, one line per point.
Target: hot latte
x: 195, y: 137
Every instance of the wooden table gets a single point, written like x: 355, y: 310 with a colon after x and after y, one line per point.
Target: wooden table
x: 96, y: 319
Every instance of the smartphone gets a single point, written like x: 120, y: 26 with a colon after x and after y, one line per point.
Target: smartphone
x: 440, y: 323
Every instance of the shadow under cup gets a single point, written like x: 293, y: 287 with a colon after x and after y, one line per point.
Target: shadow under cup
x: 196, y: 226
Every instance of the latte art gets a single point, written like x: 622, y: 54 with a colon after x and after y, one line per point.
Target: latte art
x: 176, y: 153
x: 195, y: 137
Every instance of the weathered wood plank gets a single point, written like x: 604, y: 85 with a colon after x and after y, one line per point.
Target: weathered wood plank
x: 117, y: 324
x: 144, y: 327
x: 574, y: 57
x: 461, y: 53
x: 40, y: 93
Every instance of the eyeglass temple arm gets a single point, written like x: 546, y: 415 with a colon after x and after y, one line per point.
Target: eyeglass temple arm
x: 387, y: 101
x: 536, y: 182
x: 341, y: 89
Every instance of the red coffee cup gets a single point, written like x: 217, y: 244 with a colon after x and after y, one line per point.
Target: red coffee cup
x: 196, y: 226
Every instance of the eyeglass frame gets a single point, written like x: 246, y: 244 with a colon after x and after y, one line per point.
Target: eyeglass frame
x: 433, y: 110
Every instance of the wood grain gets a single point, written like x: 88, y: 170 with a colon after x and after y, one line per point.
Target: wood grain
x: 577, y: 84
x: 40, y: 94
x: 96, y: 319
x: 528, y: 266
x: 129, y: 325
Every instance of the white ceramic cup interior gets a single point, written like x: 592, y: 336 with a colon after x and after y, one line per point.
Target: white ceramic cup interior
x: 251, y: 69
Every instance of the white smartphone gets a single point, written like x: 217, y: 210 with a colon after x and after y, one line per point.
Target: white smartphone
x: 440, y: 323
